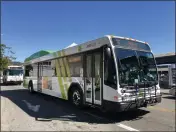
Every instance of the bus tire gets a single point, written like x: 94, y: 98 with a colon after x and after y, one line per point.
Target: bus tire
x: 30, y: 87
x: 76, y: 97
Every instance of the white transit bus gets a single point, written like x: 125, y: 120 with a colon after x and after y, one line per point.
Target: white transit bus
x: 167, y: 75
x: 112, y: 73
x: 13, y: 74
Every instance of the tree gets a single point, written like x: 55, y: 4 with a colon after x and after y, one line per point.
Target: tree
x: 6, y: 56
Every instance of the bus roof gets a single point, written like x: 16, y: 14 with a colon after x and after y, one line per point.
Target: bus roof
x: 128, y: 39
x: 47, y: 55
x: 44, y: 55
x: 38, y: 54
x: 14, y: 67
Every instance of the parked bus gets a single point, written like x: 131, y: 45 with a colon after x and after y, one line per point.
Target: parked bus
x: 13, y: 74
x: 167, y: 75
x: 112, y: 73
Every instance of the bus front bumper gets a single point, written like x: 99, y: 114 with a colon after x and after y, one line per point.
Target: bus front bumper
x: 131, y: 105
x: 14, y: 82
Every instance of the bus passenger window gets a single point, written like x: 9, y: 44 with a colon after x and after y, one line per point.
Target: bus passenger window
x: 28, y: 69
x: 75, y: 64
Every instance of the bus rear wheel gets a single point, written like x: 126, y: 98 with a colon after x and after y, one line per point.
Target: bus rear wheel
x: 76, y: 98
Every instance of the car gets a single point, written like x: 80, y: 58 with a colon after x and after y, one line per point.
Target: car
x: 172, y: 91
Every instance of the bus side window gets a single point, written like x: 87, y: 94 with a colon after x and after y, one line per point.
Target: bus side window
x: 28, y: 70
x: 34, y: 71
x: 75, y: 64
x: 109, y: 69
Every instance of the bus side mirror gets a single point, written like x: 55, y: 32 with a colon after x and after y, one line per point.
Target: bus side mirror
x: 108, y: 52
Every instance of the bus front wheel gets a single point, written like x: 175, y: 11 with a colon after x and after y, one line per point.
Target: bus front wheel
x: 76, y: 98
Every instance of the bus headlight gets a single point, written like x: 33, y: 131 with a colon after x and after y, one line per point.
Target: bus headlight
x: 123, y: 91
x: 153, y: 88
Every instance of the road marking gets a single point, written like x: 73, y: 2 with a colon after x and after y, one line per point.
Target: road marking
x: 126, y: 127
x: 34, y: 108
x: 161, y: 109
x: 119, y: 125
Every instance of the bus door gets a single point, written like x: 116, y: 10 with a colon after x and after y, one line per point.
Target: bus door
x: 93, y: 77
x: 39, y: 80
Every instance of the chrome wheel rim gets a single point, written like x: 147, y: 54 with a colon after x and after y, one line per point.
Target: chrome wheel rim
x: 76, y: 98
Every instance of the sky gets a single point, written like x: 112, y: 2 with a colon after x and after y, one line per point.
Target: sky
x: 28, y: 27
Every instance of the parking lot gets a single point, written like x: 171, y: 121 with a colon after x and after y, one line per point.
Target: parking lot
x: 21, y: 111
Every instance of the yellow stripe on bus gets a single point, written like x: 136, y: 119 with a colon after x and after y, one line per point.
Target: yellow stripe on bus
x: 60, y: 79
x: 65, y: 71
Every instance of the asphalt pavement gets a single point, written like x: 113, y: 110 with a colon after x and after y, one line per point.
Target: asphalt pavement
x: 22, y: 111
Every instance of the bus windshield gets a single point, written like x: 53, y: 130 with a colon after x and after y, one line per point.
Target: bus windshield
x: 15, y: 72
x: 135, y: 67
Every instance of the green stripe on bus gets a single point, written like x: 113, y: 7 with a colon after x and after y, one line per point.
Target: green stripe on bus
x: 59, y: 53
x: 60, y: 80
x: 55, y: 54
x: 67, y: 69
x: 63, y: 52
x: 58, y: 70
x: 63, y: 73
x: 64, y: 70
x: 79, y: 48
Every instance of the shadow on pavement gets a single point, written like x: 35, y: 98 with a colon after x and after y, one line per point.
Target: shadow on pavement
x: 165, y: 93
x: 169, y: 97
x: 9, y: 84
x: 47, y: 108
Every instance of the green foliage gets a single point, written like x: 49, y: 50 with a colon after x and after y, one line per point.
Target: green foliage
x: 6, y: 56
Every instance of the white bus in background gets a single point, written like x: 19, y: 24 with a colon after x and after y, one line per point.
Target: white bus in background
x: 167, y: 75
x: 112, y: 73
x: 13, y: 74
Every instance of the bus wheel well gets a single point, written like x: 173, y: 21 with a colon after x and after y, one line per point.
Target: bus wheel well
x: 72, y: 87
